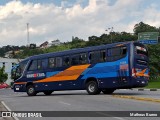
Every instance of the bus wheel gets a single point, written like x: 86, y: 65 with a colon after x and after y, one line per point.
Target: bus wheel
x: 108, y: 91
x: 31, y: 90
x: 92, y: 88
x: 47, y: 92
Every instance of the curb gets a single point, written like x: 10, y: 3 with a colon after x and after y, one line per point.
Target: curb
x: 141, y: 89
x: 4, y: 88
x: 8, y: 109
x: 137, y: 98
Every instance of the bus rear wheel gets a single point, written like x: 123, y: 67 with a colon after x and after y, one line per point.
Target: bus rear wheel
x: 108, y: 91
x: 31, y: 90
x: 92, y: 88
x: 47, y: 92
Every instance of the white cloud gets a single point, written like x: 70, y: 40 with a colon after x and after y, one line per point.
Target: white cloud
x: 49, y: 22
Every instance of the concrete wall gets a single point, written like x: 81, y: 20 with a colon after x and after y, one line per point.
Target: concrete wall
x: 8, y: 63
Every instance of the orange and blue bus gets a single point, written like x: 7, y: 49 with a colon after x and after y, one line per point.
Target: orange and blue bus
x: 95, y: 69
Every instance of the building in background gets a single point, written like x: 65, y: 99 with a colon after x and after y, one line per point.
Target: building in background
x: 44, y: 45
x: 9, y: 54
x: 55, y: 42
x: 47, y: 44
x: 8, y: 64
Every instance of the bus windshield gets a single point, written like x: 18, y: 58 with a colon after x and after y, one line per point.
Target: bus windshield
x: 18, y: 70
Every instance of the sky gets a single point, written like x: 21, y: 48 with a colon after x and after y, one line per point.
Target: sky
x: 61, y: 19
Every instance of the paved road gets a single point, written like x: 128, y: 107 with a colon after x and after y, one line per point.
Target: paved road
x: 81, y: 101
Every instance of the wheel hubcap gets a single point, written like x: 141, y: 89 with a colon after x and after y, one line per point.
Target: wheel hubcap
x: 91, y: 87
x: 31, y: 90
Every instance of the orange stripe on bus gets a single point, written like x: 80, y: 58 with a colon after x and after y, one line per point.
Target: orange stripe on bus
x: 120, y: 45
x: 142, y: 73
x: 71, y: 73
x: 20, y: 83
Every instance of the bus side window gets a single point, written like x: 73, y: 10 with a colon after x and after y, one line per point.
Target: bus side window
x: 116, y: 53
x: 66, y: 61
x: 91, y: 54
x: 113, y: 54
x: 103, y: 55
x: 33, y: 65
x: 83, y: 58
x: 44, y: 63
x: 75, y: 59
x: 51, y: 62
x: 39, y: 64
x: 94, y: 57
x: 58, y: 62
x: 124, y: 50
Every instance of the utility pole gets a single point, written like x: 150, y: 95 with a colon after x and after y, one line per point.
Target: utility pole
x: 28, y: 34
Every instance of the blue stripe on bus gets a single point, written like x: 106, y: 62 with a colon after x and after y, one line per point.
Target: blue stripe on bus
x: 88, y: 69
x: 105, y: 69
x: 103, y: 75
x: 147, y: 71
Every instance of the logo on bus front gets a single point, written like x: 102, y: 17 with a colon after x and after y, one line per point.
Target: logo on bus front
x: 123, y: 65
x: 35, y: 75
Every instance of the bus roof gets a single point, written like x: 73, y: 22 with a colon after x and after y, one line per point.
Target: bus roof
x: 76, y: 50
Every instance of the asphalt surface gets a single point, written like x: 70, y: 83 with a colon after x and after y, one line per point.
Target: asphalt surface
x: 81, y: 101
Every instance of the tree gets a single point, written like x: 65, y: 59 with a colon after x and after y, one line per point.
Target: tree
x: 93, y: 41
x: 142, y: 27
x: 77, y: 43
x: 3, y: 75
x: 154, y: 57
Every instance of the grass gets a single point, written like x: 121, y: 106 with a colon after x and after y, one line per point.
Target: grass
x: 154, y: 83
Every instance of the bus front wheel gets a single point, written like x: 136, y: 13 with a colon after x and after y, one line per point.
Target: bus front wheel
x: 31, y: 90
x: 108, y: 91
x: 47, y: 92
x: 92, y: 88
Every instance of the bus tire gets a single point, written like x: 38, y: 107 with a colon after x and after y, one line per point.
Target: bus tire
x: 47, y: 92
x: 31, y: 90
x: 108, y: 91
x: 92, y: 88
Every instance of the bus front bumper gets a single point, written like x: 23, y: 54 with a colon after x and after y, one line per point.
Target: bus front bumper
x: 19, y: 88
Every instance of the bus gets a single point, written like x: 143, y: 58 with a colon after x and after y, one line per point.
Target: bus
x: 96, y: 69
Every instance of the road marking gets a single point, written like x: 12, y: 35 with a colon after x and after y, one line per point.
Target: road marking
x: 8, y: 109
x: 64, y: 103
x: 137, y: 98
